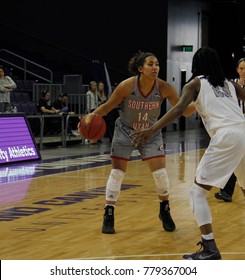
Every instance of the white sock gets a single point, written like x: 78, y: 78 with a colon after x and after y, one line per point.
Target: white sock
x: 208, y: 236
x: 110, y: 205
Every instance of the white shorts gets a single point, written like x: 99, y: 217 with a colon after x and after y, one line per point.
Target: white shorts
x: 224, y: 155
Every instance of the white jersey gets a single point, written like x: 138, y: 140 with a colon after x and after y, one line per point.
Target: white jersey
x: 218, y: 106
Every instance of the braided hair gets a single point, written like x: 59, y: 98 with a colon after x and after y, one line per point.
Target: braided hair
x: 206, y: 62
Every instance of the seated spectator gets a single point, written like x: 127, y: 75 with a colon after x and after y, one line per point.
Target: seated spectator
x: 6, y: 86
x: 101, y: 92
x: 61, y: 104
x: 51, y: 125
x: 45, y: 104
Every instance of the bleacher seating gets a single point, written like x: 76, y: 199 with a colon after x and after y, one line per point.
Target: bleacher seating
x: 26, y: 108
x: 29, y: 108
x: 20, y: 85
x: 24, y: 85
x: 12, y: 97
x: 18, y: 106
x: 23, y: 99
x: 18, y: 97
x: 23, y: 102
x: 26, y: 97
x: 33, y: 108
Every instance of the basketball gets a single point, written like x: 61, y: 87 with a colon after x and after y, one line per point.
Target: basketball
x: 92, y: 127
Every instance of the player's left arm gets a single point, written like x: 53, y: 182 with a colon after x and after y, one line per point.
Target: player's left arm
x: 188, y: 95
x: 172, y: 95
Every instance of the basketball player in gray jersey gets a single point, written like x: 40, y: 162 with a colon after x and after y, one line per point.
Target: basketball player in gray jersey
x: 216, y: 101
x: 140, y: 98
x: 139, y: 111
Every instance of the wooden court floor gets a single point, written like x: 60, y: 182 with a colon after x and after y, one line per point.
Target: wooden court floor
x: 53, y: 210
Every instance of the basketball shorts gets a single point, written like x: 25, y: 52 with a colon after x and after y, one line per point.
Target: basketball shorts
x: 122, y: 147
x: 224, y: 155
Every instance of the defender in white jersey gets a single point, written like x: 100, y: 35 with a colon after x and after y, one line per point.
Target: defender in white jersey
x: 216, y: 101
x: 140, y: 98
x: 227, y: 192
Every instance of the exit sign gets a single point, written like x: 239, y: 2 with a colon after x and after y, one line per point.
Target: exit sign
x: 187, y: 48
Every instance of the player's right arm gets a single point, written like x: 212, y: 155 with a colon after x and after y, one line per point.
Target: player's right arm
x: 120, y: 92
x: 168, y: 91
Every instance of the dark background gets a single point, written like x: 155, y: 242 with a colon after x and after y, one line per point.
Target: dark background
x: 66, y: 36
x: 227, y: 33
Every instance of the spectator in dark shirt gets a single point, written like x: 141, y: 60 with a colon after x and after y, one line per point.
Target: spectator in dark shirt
x: 45, y: 104
x: 61, y: 104
x: 51, y: 125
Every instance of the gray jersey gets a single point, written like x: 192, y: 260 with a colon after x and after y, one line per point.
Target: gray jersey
x: 139, y: 111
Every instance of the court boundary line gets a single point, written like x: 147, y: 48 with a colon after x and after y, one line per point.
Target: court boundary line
x: 150, y: 255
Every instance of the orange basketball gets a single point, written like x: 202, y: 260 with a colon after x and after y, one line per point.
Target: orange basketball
x: 92, y: 127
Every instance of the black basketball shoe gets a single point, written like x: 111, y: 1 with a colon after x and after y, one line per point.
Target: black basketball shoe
x: 108, y: 223
x: 223, y: 195
x: 209, y: 252
x: 165, y: 216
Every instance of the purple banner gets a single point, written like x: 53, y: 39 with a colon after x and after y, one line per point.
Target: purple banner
x: 16, y: 141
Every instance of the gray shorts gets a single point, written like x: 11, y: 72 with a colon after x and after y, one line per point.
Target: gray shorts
x: 122, y: 147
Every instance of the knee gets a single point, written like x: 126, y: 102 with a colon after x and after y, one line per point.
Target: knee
x: 196, y: 192
x: 114, y: 184
x: 161, y: 181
